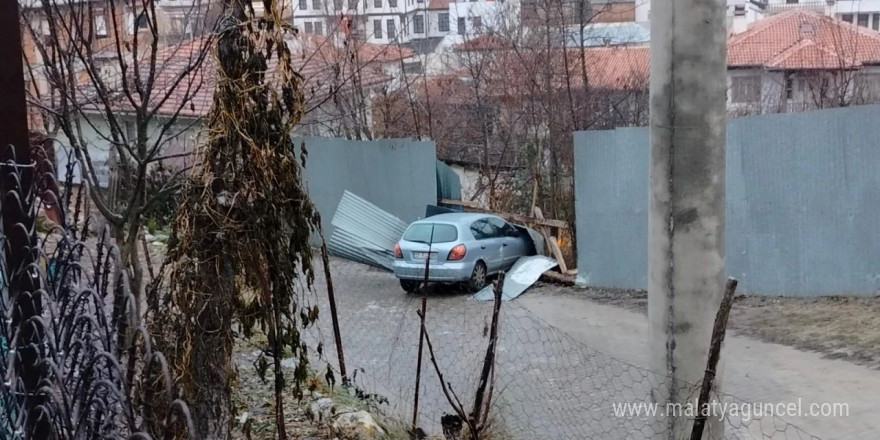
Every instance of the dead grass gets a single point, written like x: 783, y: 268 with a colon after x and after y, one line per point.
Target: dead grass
x: 839, y: 327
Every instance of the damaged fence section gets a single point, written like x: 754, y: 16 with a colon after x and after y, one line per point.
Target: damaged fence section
x: 364, y: 233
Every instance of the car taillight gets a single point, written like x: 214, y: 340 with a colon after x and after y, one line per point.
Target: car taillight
x: 397, y: 252
x: 457, y: 253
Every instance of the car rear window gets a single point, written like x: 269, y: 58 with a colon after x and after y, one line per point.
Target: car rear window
x: 422, y: 233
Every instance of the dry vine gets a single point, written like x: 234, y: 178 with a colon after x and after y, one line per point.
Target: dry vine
x: 241, y: 236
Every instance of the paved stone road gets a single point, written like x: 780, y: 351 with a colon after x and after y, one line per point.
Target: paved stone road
x: 555, y: 381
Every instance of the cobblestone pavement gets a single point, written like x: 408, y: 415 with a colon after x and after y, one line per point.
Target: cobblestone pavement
x: 549, y: 383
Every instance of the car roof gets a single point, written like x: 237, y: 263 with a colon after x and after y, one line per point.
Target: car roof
x: 457, y: 218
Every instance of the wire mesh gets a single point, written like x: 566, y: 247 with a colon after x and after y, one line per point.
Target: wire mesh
x: 547, y: 383
x: 97, y: 376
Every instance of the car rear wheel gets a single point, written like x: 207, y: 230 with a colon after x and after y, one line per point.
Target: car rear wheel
x: 410, y: 286
x: 478, y: 277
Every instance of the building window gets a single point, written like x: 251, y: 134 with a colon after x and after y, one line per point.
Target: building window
x: 847, y: 18
x: 739, y: 10
x: 392, y: 31
x: 791, y: 2
x: 182, y: 26
x: 377, y: 3
x: 316, y: 5
x: 863, y: 20
x: 461, y: 26
x: 392, y: 3
x: 419, y: 24
x: 746, y: 89
x: 352, y: 5
x: 308, y: 27
x: 337, y: 5
x: 789, y: 87
x: 875, y: 22
x: 868, y: 87
x: 303, y: 4
x: 478, y: 25
x: 319, y: 28
x: 377, y: 28
x: 46, y: 32
x: 443, y: 25
x: 412, y: 67
x: 141, y: 22
x: 100, y: 22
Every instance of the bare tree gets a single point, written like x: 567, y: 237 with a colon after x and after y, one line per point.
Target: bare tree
x: 514, y: 94
x: 98, y: 77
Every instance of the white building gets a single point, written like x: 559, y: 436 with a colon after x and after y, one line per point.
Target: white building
x: 376, y: 21
x: 402, y: 21
x: 741, y: 13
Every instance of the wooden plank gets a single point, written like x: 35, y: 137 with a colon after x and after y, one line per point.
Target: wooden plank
x: 557, y: 254
x: 508, y: 216
x: 465, y: 203
x: 550, y: 241
x: 556, y: 277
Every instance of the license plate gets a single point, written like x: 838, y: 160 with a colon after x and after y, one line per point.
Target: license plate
x: 424, y: 255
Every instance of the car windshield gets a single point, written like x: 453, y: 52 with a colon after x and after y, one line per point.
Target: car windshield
x: 421, y: 233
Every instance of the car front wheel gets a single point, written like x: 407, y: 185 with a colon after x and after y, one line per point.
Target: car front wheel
x: 478, y: 277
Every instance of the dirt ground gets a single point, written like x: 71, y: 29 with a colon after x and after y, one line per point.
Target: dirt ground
x: 839, y: 327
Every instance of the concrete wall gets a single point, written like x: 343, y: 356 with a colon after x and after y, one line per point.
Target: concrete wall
x: 803, y: 199
x: 397, y: 175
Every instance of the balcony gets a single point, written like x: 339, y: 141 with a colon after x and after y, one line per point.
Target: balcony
x: 778, y: 8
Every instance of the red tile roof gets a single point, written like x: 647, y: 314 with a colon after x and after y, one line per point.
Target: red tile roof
x: 180, y: 89
x: 439, y: 4
x: 799, y: 40
x: 485, y: 42
x: 615, y: 67
x: 513, y: 75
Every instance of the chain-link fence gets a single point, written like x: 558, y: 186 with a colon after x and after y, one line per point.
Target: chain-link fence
x: 547, y: 384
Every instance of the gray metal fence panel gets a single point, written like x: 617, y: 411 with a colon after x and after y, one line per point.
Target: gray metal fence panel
x: 803, y: 199
x: 397, y: 175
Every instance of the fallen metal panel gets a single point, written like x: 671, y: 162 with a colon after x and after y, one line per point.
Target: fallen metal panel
x: 521, y: 276
x: 364, y: 233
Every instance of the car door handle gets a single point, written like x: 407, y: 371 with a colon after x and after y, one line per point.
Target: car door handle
x: 482, y: 246
x: 504, y: 244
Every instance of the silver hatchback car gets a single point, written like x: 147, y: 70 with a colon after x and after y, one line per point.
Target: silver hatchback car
x: 462, y: 247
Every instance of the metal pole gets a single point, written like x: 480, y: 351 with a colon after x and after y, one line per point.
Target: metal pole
x: 13, y: 109
x: 18, y: 221
x: 424, y: 309
x: 686, y: 274
x: 337, y: 337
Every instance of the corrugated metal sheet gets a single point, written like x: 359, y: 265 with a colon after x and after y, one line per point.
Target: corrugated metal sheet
x: 364, y: 233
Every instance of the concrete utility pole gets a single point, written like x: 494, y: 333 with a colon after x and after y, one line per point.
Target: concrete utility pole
x: 686, y: 221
